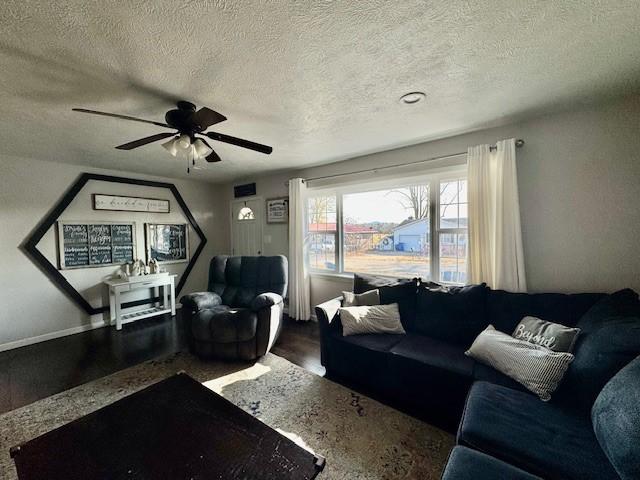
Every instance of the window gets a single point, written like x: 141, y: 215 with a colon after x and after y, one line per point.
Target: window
x: 452, y: 231
x: 417, y: 230
x: 322, y: 233
x: 386, y: 232
x: 246, y: 213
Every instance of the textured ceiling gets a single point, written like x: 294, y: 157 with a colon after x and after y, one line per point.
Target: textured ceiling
x: 317, y: 80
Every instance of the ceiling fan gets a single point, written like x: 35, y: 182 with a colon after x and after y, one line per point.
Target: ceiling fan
x: 188, y: 141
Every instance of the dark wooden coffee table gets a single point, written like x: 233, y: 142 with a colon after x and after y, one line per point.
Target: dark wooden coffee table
x: 175, y: 429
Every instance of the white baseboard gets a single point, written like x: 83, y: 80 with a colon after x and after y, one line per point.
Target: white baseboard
x: 92, y: 325
x: 23, y: 342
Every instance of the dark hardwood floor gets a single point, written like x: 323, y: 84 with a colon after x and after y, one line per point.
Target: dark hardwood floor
x: 37, y: 371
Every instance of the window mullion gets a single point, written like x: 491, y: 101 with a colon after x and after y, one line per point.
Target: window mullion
x: 339, y: 234
x: 434, y: 190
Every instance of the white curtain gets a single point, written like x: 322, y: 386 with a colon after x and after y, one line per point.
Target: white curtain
x: 299, y: 295
x: 495, y: 237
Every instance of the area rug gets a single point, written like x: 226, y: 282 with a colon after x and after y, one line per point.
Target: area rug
x: 359, y: 437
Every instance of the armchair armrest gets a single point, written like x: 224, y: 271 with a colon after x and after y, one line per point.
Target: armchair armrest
x: 200, y: 300
x: 265, y: 300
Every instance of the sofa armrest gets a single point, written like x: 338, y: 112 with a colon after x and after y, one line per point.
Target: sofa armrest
x: 327, y: 312
x: 265, y: 300
x: 328, y: 320
x: 200, y: 301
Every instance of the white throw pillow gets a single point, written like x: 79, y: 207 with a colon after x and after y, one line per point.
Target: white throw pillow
x: 370, y: 297
x: 534, y: 366
x: 370, y: 319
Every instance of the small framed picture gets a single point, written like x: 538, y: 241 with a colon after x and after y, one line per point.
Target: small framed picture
x: 278, y: 210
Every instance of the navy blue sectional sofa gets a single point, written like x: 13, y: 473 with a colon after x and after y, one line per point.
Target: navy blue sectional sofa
x: 504, y: 431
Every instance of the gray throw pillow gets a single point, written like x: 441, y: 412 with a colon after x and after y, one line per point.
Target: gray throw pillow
x: 372, y: 297
x: 554, y: 336
x: 370, y: 319
x: 539, y: 369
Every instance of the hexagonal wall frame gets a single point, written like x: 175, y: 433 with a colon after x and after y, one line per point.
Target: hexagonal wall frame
x: 30, y: 244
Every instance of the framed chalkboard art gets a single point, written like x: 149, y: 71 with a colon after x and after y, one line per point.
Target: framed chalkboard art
x: 95, y: 244
x: 167, y: 242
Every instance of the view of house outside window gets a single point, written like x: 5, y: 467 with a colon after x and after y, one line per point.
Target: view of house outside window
x: 388, y: 232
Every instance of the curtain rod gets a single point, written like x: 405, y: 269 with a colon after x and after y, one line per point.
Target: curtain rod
x: 519, y: 143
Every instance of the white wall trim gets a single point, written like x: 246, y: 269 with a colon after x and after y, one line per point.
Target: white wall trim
x: 23, y: 342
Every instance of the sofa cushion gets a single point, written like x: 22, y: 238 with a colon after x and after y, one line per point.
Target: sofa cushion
x: 506, y: 309
x: 404, y: 295
x: 541, y: 438
x: 379, y: 342
x: 605, y: 345
x: 623, y: 303
x: 363, y: 359
x: 456, y: 314
x: 616, y: 420
x: 433, y: 353
x: 482, y: 372
x: 363, y: 283
x: 467, y: 464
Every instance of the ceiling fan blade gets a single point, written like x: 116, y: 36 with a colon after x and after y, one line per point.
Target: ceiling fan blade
x: 239, y: 142
x: 143, y: 141
x: 205, y: 117
x: 124, y: 117
x: 213, y: 156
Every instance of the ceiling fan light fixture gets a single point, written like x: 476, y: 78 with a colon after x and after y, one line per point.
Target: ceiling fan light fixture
x: 183, y: 141
x: 171, y: 147
x: 201, y: 150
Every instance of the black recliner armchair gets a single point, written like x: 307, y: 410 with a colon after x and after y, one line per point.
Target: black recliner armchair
x: 240, y: 315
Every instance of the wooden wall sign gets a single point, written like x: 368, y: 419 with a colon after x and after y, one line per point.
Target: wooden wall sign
x: 129, y: 204
x: 30, y: 245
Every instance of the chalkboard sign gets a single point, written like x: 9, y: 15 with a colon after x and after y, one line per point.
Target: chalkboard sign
x: 121, y: 253
x: 121, y: 234
x: 75, y: 234
x: 76, y: 255
x: 99, y: 234
x: 167, y: 243
x: 84, y: 245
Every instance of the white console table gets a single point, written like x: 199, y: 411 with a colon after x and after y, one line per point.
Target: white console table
x: 119, y: 286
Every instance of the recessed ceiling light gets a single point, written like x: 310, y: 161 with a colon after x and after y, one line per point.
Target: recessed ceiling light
x: 413, y: 97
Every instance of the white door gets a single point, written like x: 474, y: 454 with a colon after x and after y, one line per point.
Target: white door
x: 246, y: 227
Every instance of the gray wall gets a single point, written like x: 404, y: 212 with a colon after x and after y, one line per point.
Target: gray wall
x: 32, y: 306
x: 579, y: 180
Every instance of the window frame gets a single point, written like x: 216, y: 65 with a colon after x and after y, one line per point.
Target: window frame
x: 433, y: 180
